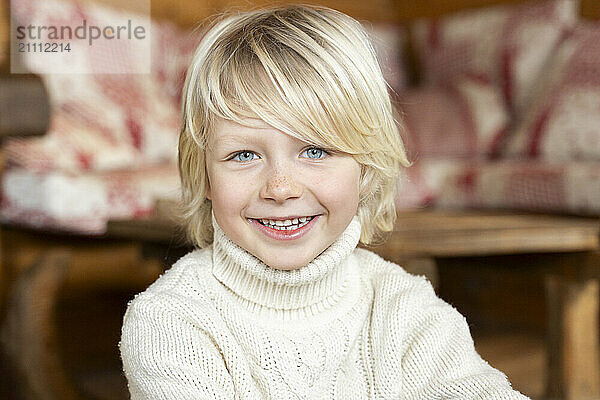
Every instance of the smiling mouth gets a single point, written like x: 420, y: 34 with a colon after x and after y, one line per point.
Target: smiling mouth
x: 285, y: 225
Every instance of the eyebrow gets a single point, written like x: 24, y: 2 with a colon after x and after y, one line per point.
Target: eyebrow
x: 236, y: 139
x: 243, y: 139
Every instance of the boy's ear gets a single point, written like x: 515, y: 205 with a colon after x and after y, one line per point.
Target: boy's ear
x: 208, y: 193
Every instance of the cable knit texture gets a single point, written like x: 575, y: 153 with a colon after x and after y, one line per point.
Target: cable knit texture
x: 220, y: 324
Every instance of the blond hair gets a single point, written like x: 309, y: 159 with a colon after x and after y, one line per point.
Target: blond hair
x: 309, y: 72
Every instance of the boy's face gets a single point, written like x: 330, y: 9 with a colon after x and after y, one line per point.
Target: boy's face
x: 259, y: 173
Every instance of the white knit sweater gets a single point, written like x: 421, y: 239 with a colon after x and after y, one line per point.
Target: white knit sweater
x: 220, y: 324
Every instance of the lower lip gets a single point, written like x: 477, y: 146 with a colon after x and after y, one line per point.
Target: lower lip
x: 285, y: 235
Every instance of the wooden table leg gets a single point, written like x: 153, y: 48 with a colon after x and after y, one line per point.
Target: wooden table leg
x: 29, y: 333
x: 573, y: 361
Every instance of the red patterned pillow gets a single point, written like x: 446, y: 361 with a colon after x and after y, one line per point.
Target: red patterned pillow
x: 106, y: 121
x: 565, y: 187
x: 508, y: 45
x: 563, y: 121
x: 467, y: 119
x: 84, y: 202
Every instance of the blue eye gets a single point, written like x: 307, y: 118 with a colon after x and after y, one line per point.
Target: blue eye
x: 315, y: 153
x: 244, y: 156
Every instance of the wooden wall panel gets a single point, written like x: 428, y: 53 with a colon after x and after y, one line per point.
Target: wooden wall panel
x: 376, y: 10
x: 191, y: 12
x: 409, y: 10
x: 187, y: 13
x: 4, y: 36
x: 183, y: 12
x: 590, y: 9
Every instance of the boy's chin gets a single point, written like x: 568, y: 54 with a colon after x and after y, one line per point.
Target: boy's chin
x: 286, y: 263
x: 288, y: 266
x: 294, y: 258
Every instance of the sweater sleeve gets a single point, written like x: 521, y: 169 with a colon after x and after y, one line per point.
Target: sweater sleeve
x: 167, y: 356
x: 440, y: 361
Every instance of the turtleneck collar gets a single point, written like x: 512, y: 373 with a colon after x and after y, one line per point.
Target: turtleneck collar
x: 318, y: 284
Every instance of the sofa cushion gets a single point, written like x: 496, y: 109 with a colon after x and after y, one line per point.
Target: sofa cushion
x: 83, y: 202
x: 508, y: 45
x: 106, y: 121
x: 532, y: 185
x: 563, y: 121
x: 466, y: 119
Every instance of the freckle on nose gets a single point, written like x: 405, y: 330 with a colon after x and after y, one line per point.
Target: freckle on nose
x: 279, y: 182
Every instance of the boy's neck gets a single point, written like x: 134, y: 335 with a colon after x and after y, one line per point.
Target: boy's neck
x: 318, y: 284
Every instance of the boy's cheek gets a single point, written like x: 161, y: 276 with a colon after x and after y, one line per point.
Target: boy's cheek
x: 230, y: 194
x: 221, y: 182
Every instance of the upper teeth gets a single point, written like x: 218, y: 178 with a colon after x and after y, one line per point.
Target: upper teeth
x: 286, y: 222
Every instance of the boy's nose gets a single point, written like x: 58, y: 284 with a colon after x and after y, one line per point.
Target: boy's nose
x: 281, y: 187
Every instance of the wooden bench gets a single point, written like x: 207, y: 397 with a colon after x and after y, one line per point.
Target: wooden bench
x: 421, y: 236
x: 573, y: 369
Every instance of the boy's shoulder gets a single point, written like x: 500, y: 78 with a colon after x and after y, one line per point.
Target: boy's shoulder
x: 382, y: 271
x: 403, y: 299
x: 393, y: 284
x: 178, y: 301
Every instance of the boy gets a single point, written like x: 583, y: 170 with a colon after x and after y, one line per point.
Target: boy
x: 289, y: 155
